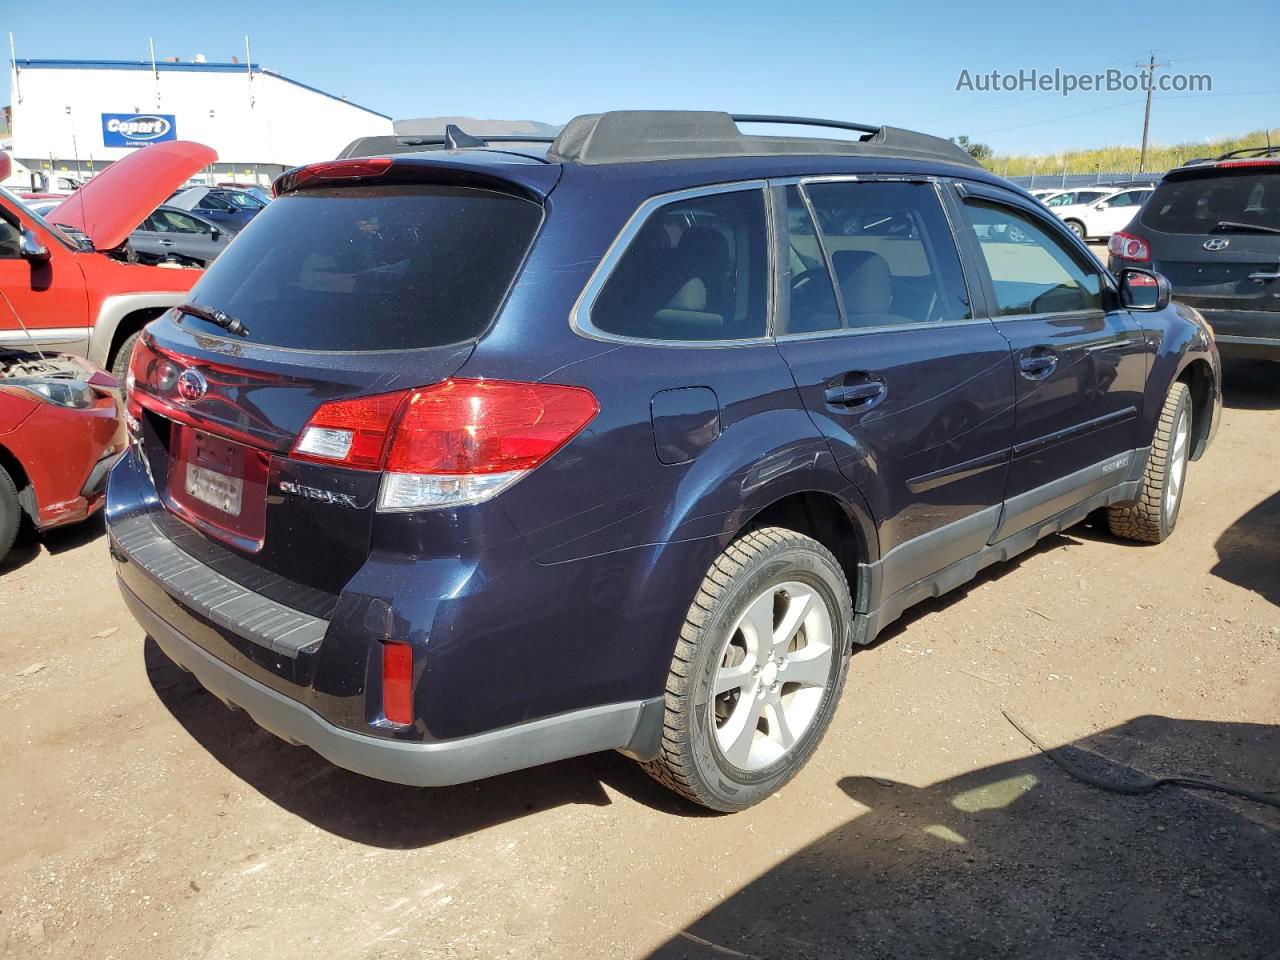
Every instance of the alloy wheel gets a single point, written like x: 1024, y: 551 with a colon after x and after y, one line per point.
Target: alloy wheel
x: 774, y: 670
x: 1177, y: 465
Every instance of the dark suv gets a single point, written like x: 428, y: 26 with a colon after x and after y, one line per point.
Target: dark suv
x: 1213, y: 228
x: 470, y: 460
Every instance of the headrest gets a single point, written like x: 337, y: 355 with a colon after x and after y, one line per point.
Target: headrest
x: 865, y: 282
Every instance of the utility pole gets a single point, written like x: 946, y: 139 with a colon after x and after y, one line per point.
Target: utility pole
x: 1150, y: 67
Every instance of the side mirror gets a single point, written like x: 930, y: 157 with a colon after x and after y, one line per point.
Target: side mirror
x: 1144, y: 290
x: 31, y: 248
x: 215, y: 233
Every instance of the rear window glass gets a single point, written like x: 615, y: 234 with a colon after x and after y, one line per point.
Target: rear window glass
x: 371, y: 268
x: 1198, y: 204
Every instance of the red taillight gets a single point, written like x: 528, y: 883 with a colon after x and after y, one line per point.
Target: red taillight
x: 456, y: 442
x: 1257, y: 162
x: 397, y: 683
x: 352, y: 433
x: 486, y: 426
x: 1128, y: 247
x: 356, y: 169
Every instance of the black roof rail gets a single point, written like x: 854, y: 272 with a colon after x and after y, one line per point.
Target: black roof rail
x: 1249, y: 151
x: 628, y: 136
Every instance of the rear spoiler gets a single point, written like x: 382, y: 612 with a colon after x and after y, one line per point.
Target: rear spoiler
x: 481, y: 171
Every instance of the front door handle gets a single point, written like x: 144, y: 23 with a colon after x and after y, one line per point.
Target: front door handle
x: 854, y: 394
x: 1037, y: 364
x: 167, y: 243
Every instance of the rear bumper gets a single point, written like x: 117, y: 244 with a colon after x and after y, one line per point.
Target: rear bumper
x: 67, y: 454
x: 436, y: 764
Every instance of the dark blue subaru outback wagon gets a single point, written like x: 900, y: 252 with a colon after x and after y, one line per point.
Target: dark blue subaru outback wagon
x: 468, y: 459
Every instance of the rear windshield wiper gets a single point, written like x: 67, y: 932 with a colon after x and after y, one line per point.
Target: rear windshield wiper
x: 1237, y: 225
x: 216, y: 317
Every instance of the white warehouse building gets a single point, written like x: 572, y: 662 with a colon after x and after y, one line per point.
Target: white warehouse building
x: 79, y: 115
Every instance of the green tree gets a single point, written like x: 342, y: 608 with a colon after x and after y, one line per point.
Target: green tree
x: 979, y: 151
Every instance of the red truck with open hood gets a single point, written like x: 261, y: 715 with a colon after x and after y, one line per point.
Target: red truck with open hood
x: 82, y: 297
x: 66, y: 290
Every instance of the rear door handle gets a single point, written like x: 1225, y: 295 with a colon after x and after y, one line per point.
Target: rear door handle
x: 167, y: 243
x: 854, y: 394
x: 1037, y: 365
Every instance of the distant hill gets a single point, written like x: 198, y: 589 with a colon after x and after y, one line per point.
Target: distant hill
x: 1123, y: 159
x: 434, y: 126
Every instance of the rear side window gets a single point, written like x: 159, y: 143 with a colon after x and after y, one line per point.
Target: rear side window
x: 1031, y: 270
x: 891, y: 252
x: 1133, y: 198
x: 1199, y: 204
x: 697, y: 269
x: 371, y: 268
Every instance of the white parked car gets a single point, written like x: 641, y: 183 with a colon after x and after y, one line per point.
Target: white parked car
x: 1043, y: 195
x: 1098, y: 212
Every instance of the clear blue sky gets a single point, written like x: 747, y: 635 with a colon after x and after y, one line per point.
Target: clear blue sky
x: 876, y: 62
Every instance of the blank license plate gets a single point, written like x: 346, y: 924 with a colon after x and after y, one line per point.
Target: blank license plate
x: 216, y: 489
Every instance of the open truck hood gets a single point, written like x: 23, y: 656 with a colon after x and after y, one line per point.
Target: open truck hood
x: 111, y: 205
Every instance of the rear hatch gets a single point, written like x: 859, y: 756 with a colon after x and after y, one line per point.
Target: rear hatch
x: 345, y: 289
x: 1214, y: 231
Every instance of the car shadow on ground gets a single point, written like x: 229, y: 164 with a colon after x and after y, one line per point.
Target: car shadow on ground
x: 1251, y: 384
x: 30, y: 543
x: 1249, y: 550
x: 1021, y: 860
x: 386, y: 814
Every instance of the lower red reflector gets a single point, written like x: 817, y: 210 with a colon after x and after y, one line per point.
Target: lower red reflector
x: 397, y: 683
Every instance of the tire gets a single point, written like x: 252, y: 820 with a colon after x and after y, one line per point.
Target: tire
x: 1076, y: 227
x: 776, y: 579
x: 1152, y: 517
x: 10, y: 513
x: 120, y: 363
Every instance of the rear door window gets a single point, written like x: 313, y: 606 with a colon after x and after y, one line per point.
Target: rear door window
x: 812, y: 305
x: 1199, y: 203
x: 1032, y: 270
x: 891, y: 251
x: 696, y: 269
x: 383, y: 267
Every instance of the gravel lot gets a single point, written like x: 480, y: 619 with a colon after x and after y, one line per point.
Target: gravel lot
x: 142, y: 818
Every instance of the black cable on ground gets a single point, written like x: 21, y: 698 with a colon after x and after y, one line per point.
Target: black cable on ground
x: 1141, y: 782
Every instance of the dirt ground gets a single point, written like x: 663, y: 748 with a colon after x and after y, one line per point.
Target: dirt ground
x: 141, y: 818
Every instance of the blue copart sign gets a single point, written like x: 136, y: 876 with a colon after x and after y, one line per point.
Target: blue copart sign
x: 137, y: 129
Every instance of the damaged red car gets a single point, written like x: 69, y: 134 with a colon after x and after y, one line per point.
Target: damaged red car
x: 73, y: 291
x: 60, y: 433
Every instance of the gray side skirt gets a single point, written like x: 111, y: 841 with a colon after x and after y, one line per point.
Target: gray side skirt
x: 1124, y: 485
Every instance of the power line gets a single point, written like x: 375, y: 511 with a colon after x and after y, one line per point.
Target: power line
x: 1069, y: 116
